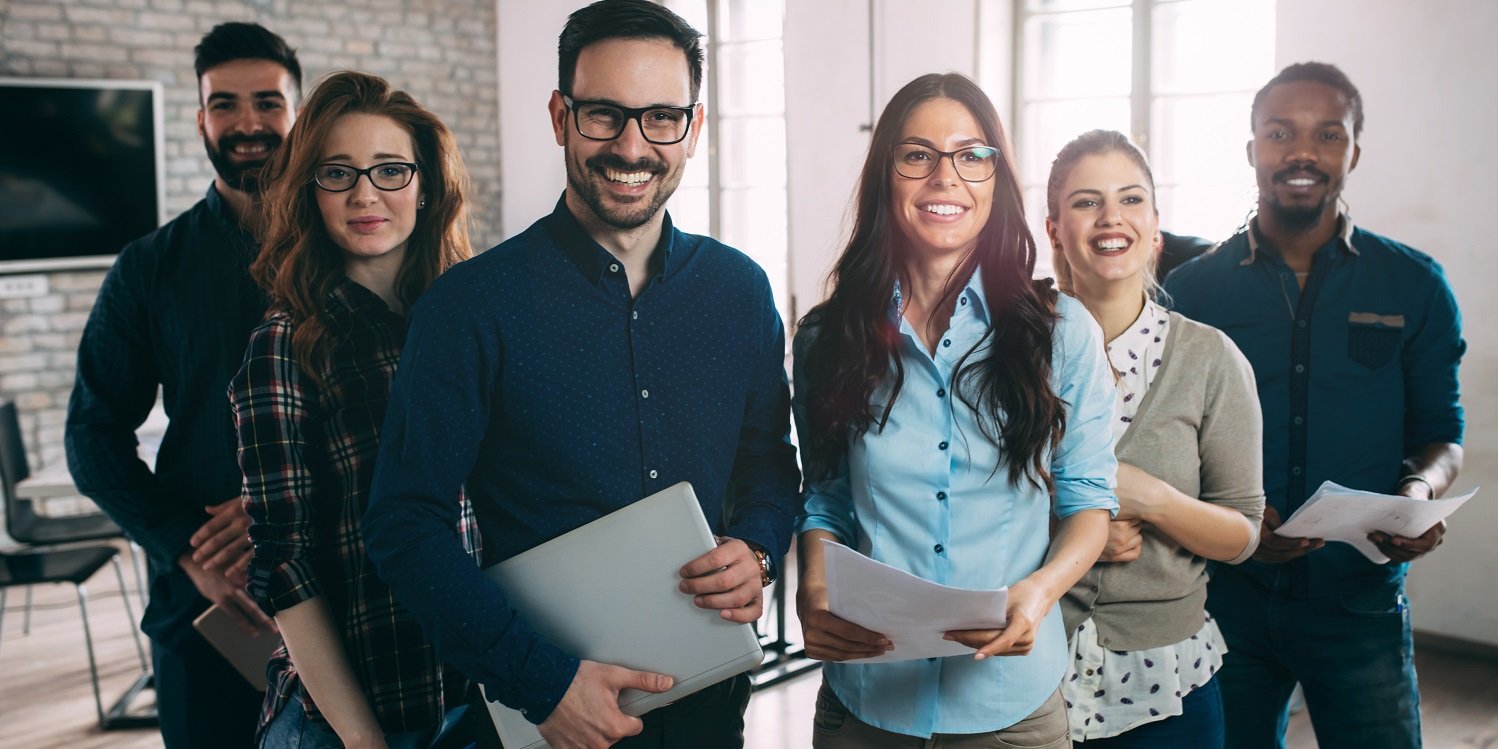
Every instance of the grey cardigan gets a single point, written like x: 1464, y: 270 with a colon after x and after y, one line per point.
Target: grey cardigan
x: 1198, y: 429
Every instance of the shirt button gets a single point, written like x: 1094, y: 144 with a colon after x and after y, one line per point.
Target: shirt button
x: 653, y: 474
x: 942, y: 446
x: 1296, y: 470
x: 1300, y: 323
x: 941, y: 496
x: 1299, y: 420
x: 964, y: 301
x: 947, y: 342
x: 941, y: 393
x: 634, y: 315
x: 1300, y: 369
x: 613, y: 267
x: 644, y: 393
x: 938, y: 548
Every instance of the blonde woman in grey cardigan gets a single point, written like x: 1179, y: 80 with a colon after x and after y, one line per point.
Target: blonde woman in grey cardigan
x: 1143, y: 649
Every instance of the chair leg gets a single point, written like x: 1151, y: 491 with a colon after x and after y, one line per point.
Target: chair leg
x: 88, y: 639
x: 140, y: 575
x: 26, y: 619
x: 119, y: 574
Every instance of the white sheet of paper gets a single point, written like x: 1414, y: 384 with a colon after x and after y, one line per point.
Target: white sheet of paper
x: 913, y: 613
x: 1337, y: 513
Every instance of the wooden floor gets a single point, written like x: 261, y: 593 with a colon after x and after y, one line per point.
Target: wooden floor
x: 46, y: 701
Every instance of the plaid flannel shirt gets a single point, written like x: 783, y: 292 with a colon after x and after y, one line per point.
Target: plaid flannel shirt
x: 307, y: 450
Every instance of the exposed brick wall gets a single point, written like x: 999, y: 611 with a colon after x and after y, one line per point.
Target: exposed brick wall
x: 442, y: 51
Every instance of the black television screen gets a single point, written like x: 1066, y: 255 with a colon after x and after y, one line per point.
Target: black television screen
x: 80, y: 170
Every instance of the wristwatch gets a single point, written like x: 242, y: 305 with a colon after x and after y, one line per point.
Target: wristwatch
x: 766, y: 570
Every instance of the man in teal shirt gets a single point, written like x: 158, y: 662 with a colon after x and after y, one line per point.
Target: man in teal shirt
x: 1355, y: 341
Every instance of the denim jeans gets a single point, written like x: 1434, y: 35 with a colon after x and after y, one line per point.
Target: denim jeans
x: 1199, y: 726
x: 1352, y: 654
x: 292, y: 729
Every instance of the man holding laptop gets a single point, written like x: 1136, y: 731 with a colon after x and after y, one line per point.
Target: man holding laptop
x: 596, y: 358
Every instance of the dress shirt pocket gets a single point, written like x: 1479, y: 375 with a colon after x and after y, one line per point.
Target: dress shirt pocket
x: 1373, y: 339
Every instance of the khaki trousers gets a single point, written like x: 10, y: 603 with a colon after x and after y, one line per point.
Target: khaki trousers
x: 836, y: 728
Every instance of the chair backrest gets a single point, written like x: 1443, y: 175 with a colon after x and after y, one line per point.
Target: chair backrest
x: 13, y: 466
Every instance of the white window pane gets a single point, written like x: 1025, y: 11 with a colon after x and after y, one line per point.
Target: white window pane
x: 1050, y: 125
x: 740, y: 20
x: 689, y: 209
x: 1055, y: 5
x: 754, y: 222
x: 1078, y: 54
x: 751, y: 79
x: 1209, y: 211
x: 753, y: 152
x: 1212, y: 45
x: 1034, y: 197
x: 1200, y: 139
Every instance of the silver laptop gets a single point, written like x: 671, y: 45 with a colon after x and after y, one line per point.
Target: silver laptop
x: 607, y: 592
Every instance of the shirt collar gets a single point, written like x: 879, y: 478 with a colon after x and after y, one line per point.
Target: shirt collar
x: 1344, y: 233
x: 220, y: 209
x: 971, y: 296
x: 592, y: 259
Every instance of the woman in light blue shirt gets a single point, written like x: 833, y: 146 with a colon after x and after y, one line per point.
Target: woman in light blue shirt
x: 954, y: 416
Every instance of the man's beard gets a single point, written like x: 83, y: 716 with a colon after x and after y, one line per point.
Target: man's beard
x: 1299, y: 218
x: 629, y: 216
x: 242, y: 175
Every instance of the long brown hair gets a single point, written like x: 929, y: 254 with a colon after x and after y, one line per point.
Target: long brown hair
x: 299, y: 265
x: 855, y: 343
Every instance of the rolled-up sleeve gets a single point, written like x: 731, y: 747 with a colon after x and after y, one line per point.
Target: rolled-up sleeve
x: 1433, y: 411
x: 1084, y: 467
x: 273, y: 404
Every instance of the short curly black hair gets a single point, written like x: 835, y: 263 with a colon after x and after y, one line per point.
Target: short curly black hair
x: 1318, y: 72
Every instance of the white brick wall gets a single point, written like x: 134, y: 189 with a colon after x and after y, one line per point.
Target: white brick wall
x: 441, y: 51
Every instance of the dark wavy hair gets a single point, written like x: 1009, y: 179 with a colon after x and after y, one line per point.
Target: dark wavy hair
x: 236, y: 40
x: 853, y: 342
x: 299, y: 265
x: 625, y: 19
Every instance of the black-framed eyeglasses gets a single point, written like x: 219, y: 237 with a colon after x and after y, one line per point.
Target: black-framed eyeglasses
x: 600, y: 120
x: 973, y: 164
x: 389, y: 176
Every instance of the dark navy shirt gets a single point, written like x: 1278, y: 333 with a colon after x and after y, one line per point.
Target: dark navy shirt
x: 175, y: 312
x: 1356, y: 371
x: 530, y: 373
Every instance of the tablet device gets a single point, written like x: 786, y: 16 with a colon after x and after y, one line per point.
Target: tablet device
x: 247, y: 654
x: 607, y: 592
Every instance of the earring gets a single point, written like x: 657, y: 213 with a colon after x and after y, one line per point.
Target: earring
x: 421, y: 204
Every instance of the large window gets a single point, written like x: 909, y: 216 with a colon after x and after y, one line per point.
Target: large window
x: 1178, y: 76
x: 735, y: 187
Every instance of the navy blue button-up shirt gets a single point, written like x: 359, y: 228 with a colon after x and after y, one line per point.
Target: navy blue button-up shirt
x: 1356, y: 372
x: 531, y: 374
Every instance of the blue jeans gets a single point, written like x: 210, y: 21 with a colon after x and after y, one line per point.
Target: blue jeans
x: 1352, y: 654
x: 292, y: 729
x: 1199, y: 726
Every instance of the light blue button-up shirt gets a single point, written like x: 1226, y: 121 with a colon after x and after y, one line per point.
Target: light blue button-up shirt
x: 922, y: 495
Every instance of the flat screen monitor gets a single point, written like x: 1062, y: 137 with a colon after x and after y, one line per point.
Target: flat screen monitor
x: 81, y: 170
